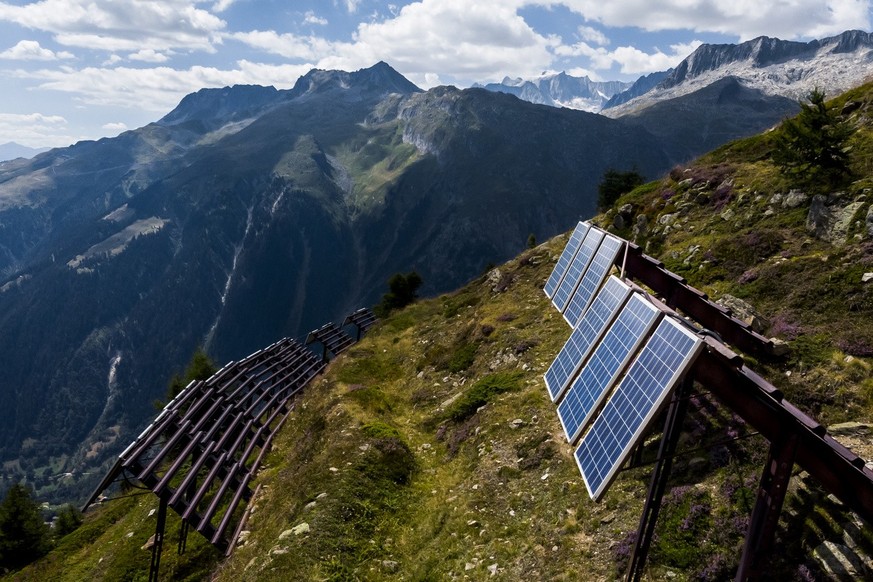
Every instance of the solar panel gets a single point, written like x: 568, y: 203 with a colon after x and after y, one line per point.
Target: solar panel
x: 634, y: 404
x: 565, y: 259
x: 577, y: 267
x: 591, y: 326
x: 592, y: 279
x: 606, y: 363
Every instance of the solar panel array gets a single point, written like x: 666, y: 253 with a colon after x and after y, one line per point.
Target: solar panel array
x: 607, y: 361
x: 636, y: 400
x: 595, y: 321
x: 614, y: 373
x: 593, y: 278
x: 577, y: 268
x: 565, y: 259
x: 201, y: 452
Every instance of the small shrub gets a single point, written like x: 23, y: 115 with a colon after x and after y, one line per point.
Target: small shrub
x: 462, y: 358
x: 481, y: 393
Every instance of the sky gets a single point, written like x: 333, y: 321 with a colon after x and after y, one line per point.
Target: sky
x: 84, y: 69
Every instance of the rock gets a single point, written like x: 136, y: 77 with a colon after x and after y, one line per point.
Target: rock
x: 390, y: 566
x: 299, y: 529
x: 667, y: 219
x: 860, y: 429
x: 776, y: 199
x: 517, y: 423
x: 626, y: 210
x: 152, y: 512
x: 869, y: 221
x: 839, y: 561
x: 619, y: 222
x: 469, y: 566
x: 794, y: 199
x: 830, y: 223
x: 243, y: 537
x: 321, y: 495
x: 310, y: 505
x: 866, y: 277
x: 278, y: 551
x: 727, y: 215
x: 685, y: 183
x: 640, y: 225
x: 744, y: 312
x: 148, y: 545
x: 492, y: 569
x: 780, y: 347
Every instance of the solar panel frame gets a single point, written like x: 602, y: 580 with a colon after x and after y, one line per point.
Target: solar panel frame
x: 636, y: 401
x: 607, y: 361
x: 577, y: 268
x: 595, y: 274
x: 585, y: 336
x: 565, y: 259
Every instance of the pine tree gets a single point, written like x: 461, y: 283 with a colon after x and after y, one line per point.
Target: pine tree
x: 614, y: 184
x: 812, y: 146
x: 24, y: 537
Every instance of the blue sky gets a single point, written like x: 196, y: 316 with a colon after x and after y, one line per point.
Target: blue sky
x: 84, y: 69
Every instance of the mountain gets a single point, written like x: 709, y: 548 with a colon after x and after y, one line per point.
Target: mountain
x: 639, y: 87
x: 431, y: 450
x: 12, y: 150
x: 774, y: 67
x: 715, y: 114
x: 248, y: 214
x: 561, y: 90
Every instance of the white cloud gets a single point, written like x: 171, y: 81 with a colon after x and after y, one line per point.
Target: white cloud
x: 30, y: 50
x: 120, y: 26
x: 352, y: 5
x: 589, y: 34
x: 34, y: 129
x: 630, y: 60
x: 116, y: 127
x: 148, y: 56
x: 290, y: 46
x: 461, y: 39
x: 745, y: 19
x: 312, y: 18
x: 157, y: 89
x: 222, y: 5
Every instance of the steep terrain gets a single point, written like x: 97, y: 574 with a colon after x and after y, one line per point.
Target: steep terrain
x: 770, y: 65
x: 562, y: 90
x: 432, y: 451
x: 248, y: 214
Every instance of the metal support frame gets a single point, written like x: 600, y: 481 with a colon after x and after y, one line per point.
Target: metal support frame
x: 159, y: 540
x: 765, y: 515
x: 660, y: 476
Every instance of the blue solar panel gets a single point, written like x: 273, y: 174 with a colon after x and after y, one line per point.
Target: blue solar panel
x: 592, y: 279
x: 606, y: 363
x: 592, y: 325
x: 577, y: 268
x: 634, y: 404
x: 565, y: 259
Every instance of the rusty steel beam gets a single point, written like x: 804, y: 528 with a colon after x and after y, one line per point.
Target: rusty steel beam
x: 763, y: 407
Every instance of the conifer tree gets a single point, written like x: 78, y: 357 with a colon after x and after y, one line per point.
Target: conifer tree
x: 24, y: 536
x: 812, y: 146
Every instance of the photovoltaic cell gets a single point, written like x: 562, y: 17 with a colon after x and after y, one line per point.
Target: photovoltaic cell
x: 606, y: 363
x: 565, y: 259
x: 592, y: 279
x: 634, y: 403
x: 577, y: 268
x: 585, y: 335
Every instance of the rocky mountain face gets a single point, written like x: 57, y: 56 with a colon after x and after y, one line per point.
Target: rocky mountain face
x: 248, y: 214
x: 561, y: 90
x: 772, y: 66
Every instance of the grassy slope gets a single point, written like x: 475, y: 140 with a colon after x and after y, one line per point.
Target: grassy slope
x: 431, y: 451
